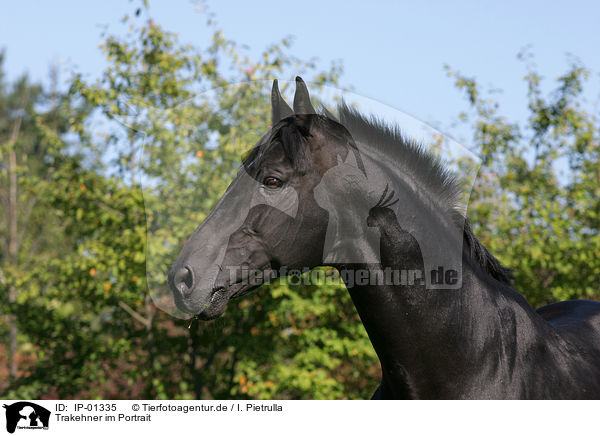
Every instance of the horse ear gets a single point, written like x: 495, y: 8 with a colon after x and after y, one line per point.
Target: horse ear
x: 303, y: 107
x: 302, y: 104
x: 279, y: 108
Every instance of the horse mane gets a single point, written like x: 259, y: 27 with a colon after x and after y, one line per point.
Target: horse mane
x: 430, y: 172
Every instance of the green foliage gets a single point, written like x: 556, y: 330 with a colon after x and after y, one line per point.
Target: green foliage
x: 536, y: 203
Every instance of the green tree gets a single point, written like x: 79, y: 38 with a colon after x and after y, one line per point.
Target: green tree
x: 536, y: 203
x: 30, y: 234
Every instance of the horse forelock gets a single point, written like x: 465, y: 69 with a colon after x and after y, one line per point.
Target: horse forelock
x: 287, y: 135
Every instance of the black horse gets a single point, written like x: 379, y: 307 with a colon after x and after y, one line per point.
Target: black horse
x: 445, y: 322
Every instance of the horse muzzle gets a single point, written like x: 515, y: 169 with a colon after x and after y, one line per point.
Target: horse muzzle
x: 194, y: 297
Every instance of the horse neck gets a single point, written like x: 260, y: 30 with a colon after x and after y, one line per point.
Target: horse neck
x: 429, y: 340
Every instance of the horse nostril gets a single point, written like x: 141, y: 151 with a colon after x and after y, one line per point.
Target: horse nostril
x: 189, y: 278
x: 184, y: 280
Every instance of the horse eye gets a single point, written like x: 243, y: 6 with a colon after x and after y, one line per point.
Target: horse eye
x: 272, y: 182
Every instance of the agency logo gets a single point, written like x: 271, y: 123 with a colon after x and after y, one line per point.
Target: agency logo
x: 27, y: 416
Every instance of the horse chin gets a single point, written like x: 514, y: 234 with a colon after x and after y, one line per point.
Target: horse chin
x: 211, y: 313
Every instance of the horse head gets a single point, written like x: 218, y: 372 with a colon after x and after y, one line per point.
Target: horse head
x: 269, y: 219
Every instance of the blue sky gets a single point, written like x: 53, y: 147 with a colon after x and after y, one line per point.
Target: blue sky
x: 393, y: 52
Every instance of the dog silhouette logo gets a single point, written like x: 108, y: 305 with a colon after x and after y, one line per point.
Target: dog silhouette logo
x: 26, y: 415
